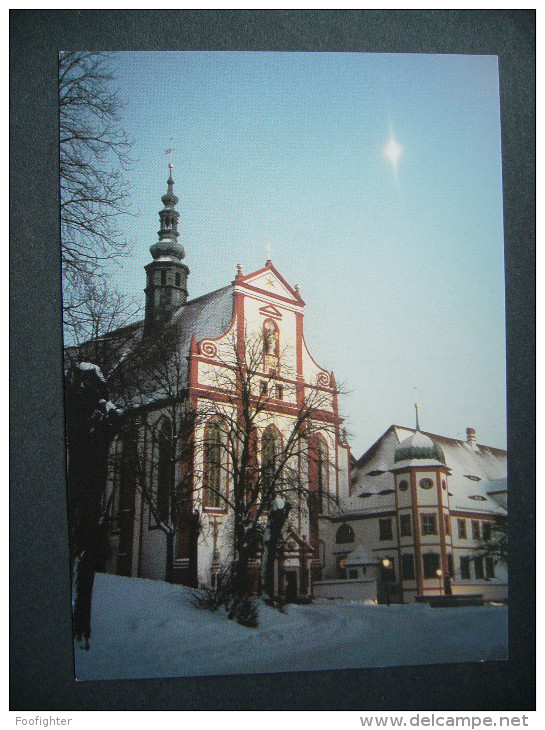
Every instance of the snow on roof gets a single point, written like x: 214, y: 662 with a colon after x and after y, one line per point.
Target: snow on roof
x: 131, y: 378
x: 416, y: 462
x: 474, y: 496
x: 476, y: 474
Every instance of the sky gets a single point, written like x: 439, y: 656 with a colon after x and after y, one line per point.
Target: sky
x: 376, y: 181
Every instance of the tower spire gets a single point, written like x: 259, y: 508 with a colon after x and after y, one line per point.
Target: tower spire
x: 416, y: 408
x: 166, y: 282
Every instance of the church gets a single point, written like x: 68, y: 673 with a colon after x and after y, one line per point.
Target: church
x: 232, y: 423
x: 189, y: 374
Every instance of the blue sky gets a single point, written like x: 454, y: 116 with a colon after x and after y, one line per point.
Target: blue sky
x: 401, y: 270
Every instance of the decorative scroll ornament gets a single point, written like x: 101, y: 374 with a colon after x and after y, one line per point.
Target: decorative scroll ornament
x: 323, y: 379
x: 209, y: 349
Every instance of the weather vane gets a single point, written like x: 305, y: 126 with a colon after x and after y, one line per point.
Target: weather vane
x: 416, y: 407
x: 169, y: 152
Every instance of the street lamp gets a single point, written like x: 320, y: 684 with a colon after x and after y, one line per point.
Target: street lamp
x: 439, y: 574
x: 387, y: 566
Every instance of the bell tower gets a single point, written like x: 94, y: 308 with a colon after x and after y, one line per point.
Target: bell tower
x: 166, y: 275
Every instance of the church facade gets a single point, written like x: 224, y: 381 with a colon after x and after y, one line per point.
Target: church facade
x: 224, y: 385
x: 240, y: 348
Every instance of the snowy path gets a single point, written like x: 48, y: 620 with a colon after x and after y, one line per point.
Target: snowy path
x: 145, y: 628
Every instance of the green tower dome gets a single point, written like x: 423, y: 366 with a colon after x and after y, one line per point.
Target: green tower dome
x: 419, y: 447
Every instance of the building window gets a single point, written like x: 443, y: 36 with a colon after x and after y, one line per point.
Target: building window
x: 215, y: 477
x: 115, y: 499
x: 487, y: 531
x: 263, y: 387
x: 165, y: 469
x: 475, y: 531
x: 479, y: 571
x: 429, y: 525
x: 447, y: 525
x: 403, y: 485
x: 462, y: 531
x: 444, y: 484
x: 341, y: 567
x: 407, y: 566
x: 279, y: 391
x: 431, y: 564
x: 178, y: 278
x: 489, y: 564
x: 353, y: 573
x: 450, y: 565
x: 426, y: 483
x: 465, y: 572
x: 344, y: 534
x: 163, y: 277
x: 385, y: 529
x: 405, y: 525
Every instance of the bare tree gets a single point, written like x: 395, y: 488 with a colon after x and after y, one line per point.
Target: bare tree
x: 93, y: 157
x: 99, y: 323
x: 494, y: 541
x: 91, y: 422
x: 153, y: 377
x: 191, y: 462
x: 262, y: 489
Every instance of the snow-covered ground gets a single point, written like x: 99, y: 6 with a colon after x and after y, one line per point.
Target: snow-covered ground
x: 143, y: 628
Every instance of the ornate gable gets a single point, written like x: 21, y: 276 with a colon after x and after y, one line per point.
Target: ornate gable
x: 270, y: 282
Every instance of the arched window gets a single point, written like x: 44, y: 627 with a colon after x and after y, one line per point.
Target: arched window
x: 271, y: 447
x: 163, y: 277
x: 114, y: 502
x: 165, y: 469
x: 344, y: 534
x: 215, y: 475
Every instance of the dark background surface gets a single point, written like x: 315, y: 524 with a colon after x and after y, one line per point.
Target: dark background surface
x: 41, y: 648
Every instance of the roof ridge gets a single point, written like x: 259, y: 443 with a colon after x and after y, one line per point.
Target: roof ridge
x: 448, y: 438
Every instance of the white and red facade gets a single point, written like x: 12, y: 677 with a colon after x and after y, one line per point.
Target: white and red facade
x: 257, y: 307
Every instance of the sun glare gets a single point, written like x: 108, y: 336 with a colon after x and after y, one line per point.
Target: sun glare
x: 393, y: 151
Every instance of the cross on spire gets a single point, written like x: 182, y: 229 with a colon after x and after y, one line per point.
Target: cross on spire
x: 268, y: 247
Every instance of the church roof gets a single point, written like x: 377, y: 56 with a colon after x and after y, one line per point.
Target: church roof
x: 131, y: 378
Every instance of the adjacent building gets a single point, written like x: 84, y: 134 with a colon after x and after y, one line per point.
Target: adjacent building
x: 424, y: 503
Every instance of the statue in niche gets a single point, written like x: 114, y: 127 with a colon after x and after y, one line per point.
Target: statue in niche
x: 270, y: 339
